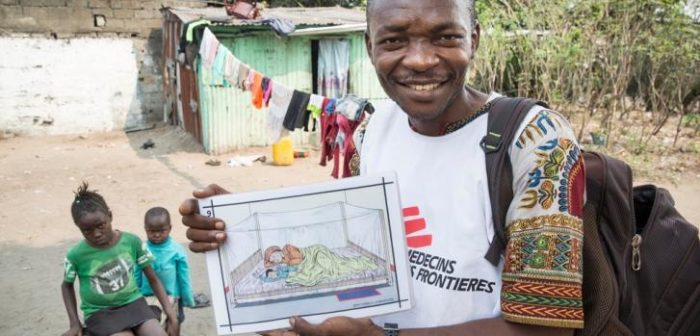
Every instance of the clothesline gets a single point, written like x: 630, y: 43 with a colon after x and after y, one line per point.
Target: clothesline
x: 287, y: 108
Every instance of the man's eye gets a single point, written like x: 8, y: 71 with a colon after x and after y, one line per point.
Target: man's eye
x: 450, y: 37
x: 391, y: 41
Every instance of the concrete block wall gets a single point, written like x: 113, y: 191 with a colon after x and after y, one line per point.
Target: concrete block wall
x: 66, y: 27
x: 77, y: 17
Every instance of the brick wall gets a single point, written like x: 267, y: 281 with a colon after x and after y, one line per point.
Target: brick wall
x: 136, y: 21
x: 68, y: 18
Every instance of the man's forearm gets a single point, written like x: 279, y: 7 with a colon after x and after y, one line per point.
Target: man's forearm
x: 493, y: 326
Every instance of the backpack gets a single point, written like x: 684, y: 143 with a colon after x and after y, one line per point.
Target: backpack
x: 641, y: 258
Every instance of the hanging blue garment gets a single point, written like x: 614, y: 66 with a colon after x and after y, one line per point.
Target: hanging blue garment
x: 333, y: 66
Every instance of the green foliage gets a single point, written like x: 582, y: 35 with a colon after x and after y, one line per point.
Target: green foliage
x: 592, y: 58
x: 317, y: 3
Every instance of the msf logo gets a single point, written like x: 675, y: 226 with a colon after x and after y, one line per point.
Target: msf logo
x: 414, y: 223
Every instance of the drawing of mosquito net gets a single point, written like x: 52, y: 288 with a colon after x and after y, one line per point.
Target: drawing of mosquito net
x: 342, y: 247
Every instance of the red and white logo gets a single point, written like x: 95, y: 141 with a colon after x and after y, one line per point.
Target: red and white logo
x: 414, y: 223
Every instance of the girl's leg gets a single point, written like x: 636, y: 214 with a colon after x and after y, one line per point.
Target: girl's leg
x: 124, y: 333
x: 150, y: 328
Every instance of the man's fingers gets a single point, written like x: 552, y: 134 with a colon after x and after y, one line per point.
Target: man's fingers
x: 302, y: 327
x: 208, y: 191
x: 280, y: 333
x: 197, y: 221
x: 203, y: 247
x: 189, y: 207
x: 205, y: 236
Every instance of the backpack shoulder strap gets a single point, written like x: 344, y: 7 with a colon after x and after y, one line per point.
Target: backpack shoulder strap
x: 504, y: 119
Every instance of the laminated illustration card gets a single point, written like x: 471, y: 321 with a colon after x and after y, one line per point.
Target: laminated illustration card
x: 329, y: 249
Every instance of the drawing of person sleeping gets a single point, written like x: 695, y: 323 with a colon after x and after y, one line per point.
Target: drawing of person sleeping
x: 279, y: 262
x: 311, y: 265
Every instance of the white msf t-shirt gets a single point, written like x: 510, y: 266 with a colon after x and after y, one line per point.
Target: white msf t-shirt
x: 447, y: 215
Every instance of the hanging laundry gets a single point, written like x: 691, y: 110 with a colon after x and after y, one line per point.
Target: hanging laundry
x: 257, y: 90
x: 282, y: 27
x: 209, y: 42
x: 329, y: 132
x: 333, y: 65
x: 345, y: 143
x: 217, y: 66
x: 190, y: 26
x: 315, y: 105
x: 267, y: 90
x: 329, y: 105
x: 231, y: 66
x: 352, y: 107
x: 280, y: 98
x: 187, y: 50
x: 295, y: 112
x: 308, y: 119
x: 243, y: 71
x: 248, y: 85
x: 208, y: 47
x: 337, y: 133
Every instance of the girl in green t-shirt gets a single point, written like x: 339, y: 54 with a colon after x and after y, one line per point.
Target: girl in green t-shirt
x: 104, y: 263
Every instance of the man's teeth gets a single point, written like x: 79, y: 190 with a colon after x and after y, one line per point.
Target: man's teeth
x: 425, y: 87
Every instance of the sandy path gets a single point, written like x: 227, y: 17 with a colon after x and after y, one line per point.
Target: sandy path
x: 38, y: 176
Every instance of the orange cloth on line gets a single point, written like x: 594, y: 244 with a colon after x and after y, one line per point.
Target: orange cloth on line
x: 257, y: 90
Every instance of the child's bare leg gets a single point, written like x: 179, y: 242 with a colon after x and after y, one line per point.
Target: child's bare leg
x: 124, y: 333
x: 150, y: 328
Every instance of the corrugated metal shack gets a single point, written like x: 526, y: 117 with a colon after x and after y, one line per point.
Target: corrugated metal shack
x: 222, y: 118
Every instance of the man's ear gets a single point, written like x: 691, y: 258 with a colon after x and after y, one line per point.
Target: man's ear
x: 476, y: 37
x: 109, y: 214
x: 368, y: 45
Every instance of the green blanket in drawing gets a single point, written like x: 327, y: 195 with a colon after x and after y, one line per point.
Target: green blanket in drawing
x: 323, y: 265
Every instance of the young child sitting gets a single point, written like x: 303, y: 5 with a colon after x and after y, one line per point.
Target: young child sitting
x: 104, y: 263
x: 170, y: 265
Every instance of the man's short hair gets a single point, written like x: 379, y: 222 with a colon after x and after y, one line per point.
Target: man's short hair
x: 471, y: 12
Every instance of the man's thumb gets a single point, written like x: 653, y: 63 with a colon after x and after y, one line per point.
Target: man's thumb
x: 303, y: 327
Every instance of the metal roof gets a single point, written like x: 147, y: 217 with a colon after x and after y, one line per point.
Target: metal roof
x: 312, y: 16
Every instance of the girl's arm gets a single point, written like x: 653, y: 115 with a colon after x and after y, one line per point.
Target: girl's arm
x: 69, y: 301
x: 159, y: 291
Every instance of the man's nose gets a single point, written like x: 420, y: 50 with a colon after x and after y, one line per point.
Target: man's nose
x: 421, y: 56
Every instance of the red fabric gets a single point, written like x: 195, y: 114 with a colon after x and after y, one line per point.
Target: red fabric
x: 348, y: 127
x: 257, y: 90
x: 331, y: 125
x: 328, y: 134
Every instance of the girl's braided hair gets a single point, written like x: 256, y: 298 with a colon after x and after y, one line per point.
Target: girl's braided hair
x: 87, y: 201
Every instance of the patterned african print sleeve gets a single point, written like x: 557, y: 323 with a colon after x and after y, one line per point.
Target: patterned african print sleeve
x: 542, y: 270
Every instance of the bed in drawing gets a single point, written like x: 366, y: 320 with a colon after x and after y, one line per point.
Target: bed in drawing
x: 316, y: 251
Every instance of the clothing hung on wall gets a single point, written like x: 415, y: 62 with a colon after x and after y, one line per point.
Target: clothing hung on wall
x: 333, y: 65
x: 337, y: 129
x: 280, y: 98
x: 297, y: 110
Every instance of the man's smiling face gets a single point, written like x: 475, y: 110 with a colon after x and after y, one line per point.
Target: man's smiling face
x: 421, y: 51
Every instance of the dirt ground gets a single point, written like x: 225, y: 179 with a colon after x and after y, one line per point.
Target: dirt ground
x: 38, y: 175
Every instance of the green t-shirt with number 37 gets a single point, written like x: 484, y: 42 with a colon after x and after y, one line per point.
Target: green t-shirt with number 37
x: 106, y: 274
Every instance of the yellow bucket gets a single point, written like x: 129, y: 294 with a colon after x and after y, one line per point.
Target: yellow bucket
x: 283, y: 152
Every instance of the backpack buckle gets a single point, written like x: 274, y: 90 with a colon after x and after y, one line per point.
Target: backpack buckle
x: 491, y: 142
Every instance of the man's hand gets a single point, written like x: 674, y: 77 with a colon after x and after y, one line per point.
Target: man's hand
x: 206, y: 233
x: 74, y: 331
x: 334, y: 326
